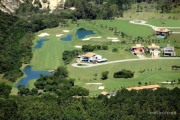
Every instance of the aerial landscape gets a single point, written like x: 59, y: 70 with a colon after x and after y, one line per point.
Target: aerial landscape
x: 89, y: 60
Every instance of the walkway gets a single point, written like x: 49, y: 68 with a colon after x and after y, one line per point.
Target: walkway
x: 87, y: 65
x: 142, y: 22
x: 140, y: 56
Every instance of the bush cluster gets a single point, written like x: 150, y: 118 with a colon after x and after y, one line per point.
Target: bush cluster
x: 124, y: 74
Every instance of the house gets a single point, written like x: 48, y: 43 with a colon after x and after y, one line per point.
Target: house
x: 152, y: 87
x: 153, y: 50
x: 91, y: 57
x: 162, y: 32
x: 168, y: 51
x: 104, y: 93
x: 108, y: 94
x: 137, y: 49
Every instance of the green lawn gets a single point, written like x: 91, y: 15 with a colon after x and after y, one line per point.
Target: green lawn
x: 86, y: 75
x: 50, y: 55
x: 167, y: 23
x: 174, y: 30
x: 31, y: 84
x: 128, y: 28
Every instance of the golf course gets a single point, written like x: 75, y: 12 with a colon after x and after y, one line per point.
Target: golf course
x: 49, y: 55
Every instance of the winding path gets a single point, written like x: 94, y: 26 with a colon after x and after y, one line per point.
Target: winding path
x: 142, y: 22
x: 87, y: 65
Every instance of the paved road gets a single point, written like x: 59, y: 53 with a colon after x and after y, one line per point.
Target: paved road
x: 152, y: 26
x: 87, y: 65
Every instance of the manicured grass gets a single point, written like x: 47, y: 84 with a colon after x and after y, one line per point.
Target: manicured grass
x: 86, y: 75
x: 170, y: 86
x: 30, y: 84
x: 174, y: 30
x: 50, y: 55
x: 167, y: 23
x: 128, y: 28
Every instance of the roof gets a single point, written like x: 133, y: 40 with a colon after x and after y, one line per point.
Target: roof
x: 104, y: 93
x: 144, y: 87
x: 153, y: 46
x: 89, y: 54
x: 162, y: 30
x: 168, y: 47
x: 137, y: 46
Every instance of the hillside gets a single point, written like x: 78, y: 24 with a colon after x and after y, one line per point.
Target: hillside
x: 10, y: 6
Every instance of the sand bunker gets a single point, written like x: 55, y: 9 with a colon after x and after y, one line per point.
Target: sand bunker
x: 65, y: 30
x: 90, y: 38
x: 43, y: 34
x: 115, y: 40
x: 78, y: 46
x: 72, y: 8
x: 93, y: 83
x: 111, y: 38
x: 59, y: 35
x: 101, y: 87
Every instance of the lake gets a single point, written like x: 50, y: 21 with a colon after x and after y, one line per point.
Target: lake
x: 81, y: 33
x: 31, y: 75
x: 67, y: 38
x: 40, y: 42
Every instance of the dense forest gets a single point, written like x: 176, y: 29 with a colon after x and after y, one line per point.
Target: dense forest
x: 16, y: 35
x: 161, y: 104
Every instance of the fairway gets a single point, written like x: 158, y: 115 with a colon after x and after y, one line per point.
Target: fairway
x: 167, y: 23
x: 127, y: 28
x: 151, y: 74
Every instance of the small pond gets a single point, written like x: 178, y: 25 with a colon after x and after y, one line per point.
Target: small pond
x: 40, y: 42
x: 81, y: 32
x: 31, y: 75
x: 67, y: 38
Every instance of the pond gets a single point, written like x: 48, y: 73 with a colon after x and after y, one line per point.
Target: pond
x: 67, y: 38
x: 40, y: 42
x: 30, y: 75
x: 83, y: 32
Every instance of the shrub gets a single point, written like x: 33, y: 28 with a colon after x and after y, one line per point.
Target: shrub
x: 123, y: 74
x: 114, y: 50
x: 105, y: 47
x: 104, y: 75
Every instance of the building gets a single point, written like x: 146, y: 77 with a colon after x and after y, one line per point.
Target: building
x: 91, y: 57
x: 152, y: 87
x: 153, y: 50
x: 138, y: 49
x: 168, y: 51
x: 162, y: 32
x: 104, y: 93
x: 108, y: 94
